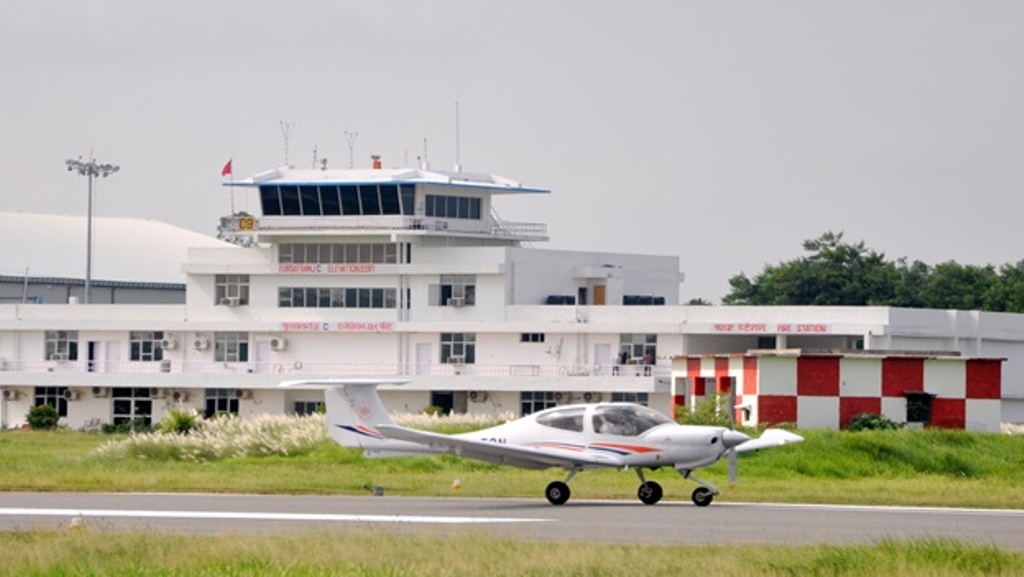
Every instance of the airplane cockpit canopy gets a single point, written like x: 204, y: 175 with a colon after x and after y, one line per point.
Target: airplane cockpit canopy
x: 567, y: 419
x: 626, y: 420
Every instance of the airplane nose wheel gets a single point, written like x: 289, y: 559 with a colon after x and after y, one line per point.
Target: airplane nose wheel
x: 649, y: 493
x: 702, y: 496
x: 557, y: 493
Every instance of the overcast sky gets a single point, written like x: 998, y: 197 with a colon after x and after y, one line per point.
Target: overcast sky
x: 722, y: 132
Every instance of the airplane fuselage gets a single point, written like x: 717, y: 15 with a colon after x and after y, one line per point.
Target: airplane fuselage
x: 627, y: 434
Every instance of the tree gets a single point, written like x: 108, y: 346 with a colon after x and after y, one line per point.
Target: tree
x: 955, y: 286
x: 835, y: 273
x: 1007, y: 292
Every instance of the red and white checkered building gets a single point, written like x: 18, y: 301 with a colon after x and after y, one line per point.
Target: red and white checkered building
x: 827, y: 390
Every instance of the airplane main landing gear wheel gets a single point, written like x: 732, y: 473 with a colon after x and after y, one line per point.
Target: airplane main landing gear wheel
x: 557, y: 493
x: 649, y: 493
x: 702, y: 496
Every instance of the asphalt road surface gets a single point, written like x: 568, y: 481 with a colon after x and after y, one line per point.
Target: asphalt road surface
x: 535, y: 519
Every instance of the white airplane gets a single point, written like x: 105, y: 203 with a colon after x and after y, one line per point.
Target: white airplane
x: 574, y: 437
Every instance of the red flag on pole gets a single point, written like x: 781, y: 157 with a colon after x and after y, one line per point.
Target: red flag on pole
x: 227, y: 169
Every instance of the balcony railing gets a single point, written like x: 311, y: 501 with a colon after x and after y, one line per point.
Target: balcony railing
x: 489, y: 227
x: 332, y: 369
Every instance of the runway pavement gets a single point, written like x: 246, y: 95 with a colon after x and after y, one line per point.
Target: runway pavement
x: 599, y: 521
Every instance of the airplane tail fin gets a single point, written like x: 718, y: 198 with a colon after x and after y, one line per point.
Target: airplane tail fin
x: 354, y: 411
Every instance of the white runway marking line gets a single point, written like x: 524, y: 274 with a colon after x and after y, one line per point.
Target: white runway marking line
x: 14, y: 512
x: 895, y: 509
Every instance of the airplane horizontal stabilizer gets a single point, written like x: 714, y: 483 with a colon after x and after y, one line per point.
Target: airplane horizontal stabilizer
x: 770, y: 438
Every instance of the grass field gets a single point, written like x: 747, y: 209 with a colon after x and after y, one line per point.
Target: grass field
x: 368, y: 554
x: 932, y: 467
x: 928, y: 468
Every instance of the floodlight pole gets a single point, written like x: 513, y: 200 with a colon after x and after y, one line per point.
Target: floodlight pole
x: 90, y: 169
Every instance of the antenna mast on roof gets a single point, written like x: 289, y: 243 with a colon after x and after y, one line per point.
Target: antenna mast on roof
x: 351, y: 137
x: 286, y: 130
x: 320, y: 163
x: 424, y: 163
x: 458, y: 163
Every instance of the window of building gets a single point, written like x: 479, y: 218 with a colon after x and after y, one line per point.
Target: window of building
x: 458, y: 348
x: 355, y: 253
x: 455, y: 290
x: 638, y: 398
x: 337, y: 297
x: 463, y: 207
x: 231, y: 289
x: 919, y: 407
x: 307, y: 407
x: 62, y: 345
x: 132, y: 405
x: 531, y: 337
x: 145, y: 345
x: 533, y: 401
x: 231, y: 347
x: 221, y: 401
x: 639, y: 348
x: 56, y: 397
x: 334, y: 200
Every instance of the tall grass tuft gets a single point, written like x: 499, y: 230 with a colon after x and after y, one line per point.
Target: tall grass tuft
x: 185, y: 436
x: 225, y: 437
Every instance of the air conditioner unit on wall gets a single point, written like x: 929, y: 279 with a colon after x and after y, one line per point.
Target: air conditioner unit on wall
x: 592, y: 397
x: 179, y: 396
x: 59, y: 357
x: 70, y: 394
x: 243, y: 393
x: 278, y: 343
x: 456, y: 359
x: 201, y: 343
x: 169, y: 343
x: 10, y: 395
x: 477, y: 396
x: 100, y: 392
x: 457, y: 301
x: 157, y: 393
x: 230, y: 301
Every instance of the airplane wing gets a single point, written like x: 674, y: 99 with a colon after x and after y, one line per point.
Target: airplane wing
x: 525, y: 457
x: 770, y: 438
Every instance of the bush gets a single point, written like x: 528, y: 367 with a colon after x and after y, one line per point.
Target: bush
x: 43, y: 417
x: 178, y: 422
x: 872, y: 422
x: 712, y: 411
x: 136, y: 425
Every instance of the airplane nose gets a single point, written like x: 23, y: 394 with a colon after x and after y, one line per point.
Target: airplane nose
x: 731, y: 439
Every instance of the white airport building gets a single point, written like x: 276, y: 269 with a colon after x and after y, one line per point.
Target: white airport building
x: 383, y: 272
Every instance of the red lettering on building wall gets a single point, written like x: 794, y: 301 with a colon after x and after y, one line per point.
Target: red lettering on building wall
x: 365, y: 326
x: 304, y: 327
x: 347, y: 326
x: 290, y: 268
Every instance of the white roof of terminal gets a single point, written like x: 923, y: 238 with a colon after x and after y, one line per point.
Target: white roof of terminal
x: 124, y: 249
x: 288, y: 175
